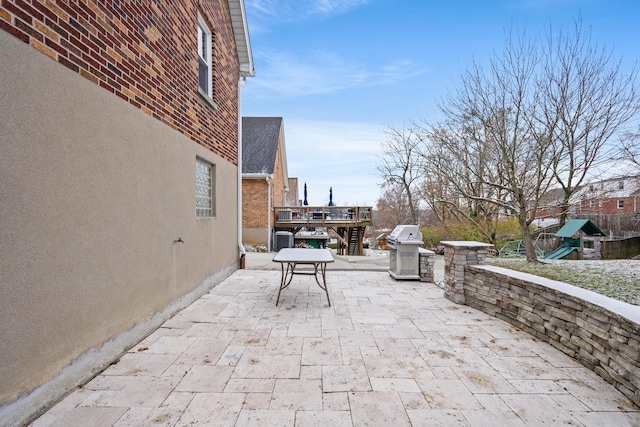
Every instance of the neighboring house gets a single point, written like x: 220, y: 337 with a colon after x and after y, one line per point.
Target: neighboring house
x: 264, y: 177
x: 611, y: 196
x: 293, y: 196
x: 549, y: 210
x: 608, y: 197
x: 120, y: 182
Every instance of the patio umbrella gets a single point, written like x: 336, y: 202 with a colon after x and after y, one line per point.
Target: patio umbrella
x: 330, y: 196
x: 305, y: 195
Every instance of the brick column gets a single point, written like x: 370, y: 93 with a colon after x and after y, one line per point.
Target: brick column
x: 456, y: 256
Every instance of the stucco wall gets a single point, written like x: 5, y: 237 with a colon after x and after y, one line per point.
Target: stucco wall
x: 94, y: 192
x: 255, y: 236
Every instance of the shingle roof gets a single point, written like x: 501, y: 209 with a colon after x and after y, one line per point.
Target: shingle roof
x: 260, y: 136
x: 574, y: 225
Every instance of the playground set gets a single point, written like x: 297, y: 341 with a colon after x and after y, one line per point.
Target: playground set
x: 580, y: 239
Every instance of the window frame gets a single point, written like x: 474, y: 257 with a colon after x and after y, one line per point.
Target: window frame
x: 205, y: 189
x: 620, y: 204
x: 205, y: 47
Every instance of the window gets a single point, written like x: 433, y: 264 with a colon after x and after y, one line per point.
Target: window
x: 620, y: 185
x: 590, y: 187
x: 599, y: 203
x: 205, y: 189
x: 592, y: 203
x: 204, y: 58
x: 620, y: 204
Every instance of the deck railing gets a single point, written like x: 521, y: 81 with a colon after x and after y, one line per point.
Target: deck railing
x: 324, y: 214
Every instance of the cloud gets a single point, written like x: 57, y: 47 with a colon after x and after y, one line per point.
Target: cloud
x: 341, y: 155
x: 323, y: 72
x: 274, y: 12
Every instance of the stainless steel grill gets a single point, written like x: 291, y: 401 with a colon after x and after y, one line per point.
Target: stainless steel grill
x: 403, y: 243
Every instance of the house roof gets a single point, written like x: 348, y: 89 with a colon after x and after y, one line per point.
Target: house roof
x: 241, y: 34
x: 552, y: 197
x: 574, y: 225
x: 260, y: 138
x: 610, y: 188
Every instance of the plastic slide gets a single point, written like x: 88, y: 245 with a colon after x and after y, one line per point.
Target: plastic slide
x: 560, y: 253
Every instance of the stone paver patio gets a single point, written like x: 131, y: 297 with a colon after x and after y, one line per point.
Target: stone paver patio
x: 385, y: 353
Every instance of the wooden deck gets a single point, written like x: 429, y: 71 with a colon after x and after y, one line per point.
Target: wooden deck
x: 347, y: 222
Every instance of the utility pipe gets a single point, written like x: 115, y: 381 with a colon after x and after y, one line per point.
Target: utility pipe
x: 269, y: 207
x: 241, y: 83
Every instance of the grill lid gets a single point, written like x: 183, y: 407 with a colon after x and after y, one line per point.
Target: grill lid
x: 406, y: 233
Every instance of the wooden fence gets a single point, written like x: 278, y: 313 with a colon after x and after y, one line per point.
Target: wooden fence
x: 620, y: 249
x: 616, y: 223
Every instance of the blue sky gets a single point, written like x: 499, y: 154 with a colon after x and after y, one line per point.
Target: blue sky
x: 341, y: 71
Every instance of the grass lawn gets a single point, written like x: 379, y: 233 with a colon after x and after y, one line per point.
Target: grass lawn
x: 619, y: 279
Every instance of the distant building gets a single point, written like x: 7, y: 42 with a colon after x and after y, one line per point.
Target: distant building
x: 293, y: 195
x: 265, y: 180
x: 598, y: 199
x: 611, y: 196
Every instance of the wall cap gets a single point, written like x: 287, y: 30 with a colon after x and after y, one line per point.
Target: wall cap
x: 621, y: 308
x: 466, y: 244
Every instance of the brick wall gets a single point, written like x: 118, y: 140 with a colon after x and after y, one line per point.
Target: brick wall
x: 601, y: 333
x: 255, y: 195
x: 144, y: 52
x: 609, y: 206
x: 255, y: 204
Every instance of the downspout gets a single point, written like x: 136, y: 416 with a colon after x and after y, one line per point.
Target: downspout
x: 241, y: 83
x: 268, y: 179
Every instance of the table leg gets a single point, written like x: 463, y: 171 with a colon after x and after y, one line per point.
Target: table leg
x: 286, y: 277
x: 323, y: 271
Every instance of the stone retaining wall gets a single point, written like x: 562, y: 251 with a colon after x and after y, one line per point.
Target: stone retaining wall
x: 601, y: 333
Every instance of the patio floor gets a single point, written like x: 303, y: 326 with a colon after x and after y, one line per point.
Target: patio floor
x: 385, y: 353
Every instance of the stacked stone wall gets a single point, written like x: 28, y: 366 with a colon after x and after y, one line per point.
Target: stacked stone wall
x: 427, y: 262
x: 601, y: 333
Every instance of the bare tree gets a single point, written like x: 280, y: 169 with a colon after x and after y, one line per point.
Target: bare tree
x: 393, y: 207
x: 585, y: 98
x: 630, y: 149
x: 541, y: 113
x: 488, y: 148
x: 401, y: 167
x: 465, y: 198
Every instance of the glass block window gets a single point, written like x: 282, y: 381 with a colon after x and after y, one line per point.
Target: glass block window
x: 205, y: 189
